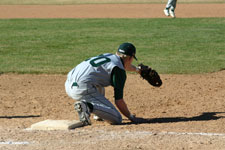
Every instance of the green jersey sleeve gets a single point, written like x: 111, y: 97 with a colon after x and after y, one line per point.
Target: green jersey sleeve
x: 118, y: 79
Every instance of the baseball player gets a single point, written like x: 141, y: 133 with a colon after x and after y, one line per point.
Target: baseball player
x: 170, y: 8
x: 85, y: 83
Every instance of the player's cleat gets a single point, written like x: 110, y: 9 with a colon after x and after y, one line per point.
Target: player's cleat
x: 172, y: 13
x: 97, y: 118
x: 83, y: 112
x: 166, y: 12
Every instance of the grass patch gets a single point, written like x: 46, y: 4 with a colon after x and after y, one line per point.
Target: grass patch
x: 56, y: 45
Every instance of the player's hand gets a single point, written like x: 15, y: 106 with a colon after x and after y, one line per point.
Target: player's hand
x: 135, y: 119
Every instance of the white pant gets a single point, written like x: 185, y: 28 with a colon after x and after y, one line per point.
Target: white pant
x: 95, y: 95
x: 171, y: 4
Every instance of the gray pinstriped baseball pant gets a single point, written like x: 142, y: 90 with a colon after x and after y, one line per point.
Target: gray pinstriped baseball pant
x: 95, y: 95
x: 171, y: 4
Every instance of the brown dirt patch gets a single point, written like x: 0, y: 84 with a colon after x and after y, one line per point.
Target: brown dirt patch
x: 187, y: 112
x: 110, y: 11
x: 177, y: 113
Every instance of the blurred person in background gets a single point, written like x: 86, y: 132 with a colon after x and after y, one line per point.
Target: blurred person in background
x: 170, y: 8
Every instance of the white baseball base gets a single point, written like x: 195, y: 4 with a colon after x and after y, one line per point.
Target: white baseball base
x: 56, y: 125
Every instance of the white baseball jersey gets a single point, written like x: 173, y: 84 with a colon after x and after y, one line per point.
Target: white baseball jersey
x: 96, y: 70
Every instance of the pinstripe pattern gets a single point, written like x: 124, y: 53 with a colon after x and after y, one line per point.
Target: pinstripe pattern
x: 103, y: 108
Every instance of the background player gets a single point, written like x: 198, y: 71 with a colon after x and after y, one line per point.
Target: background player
x: 170, y: 8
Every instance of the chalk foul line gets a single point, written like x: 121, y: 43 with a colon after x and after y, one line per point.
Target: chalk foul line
x: 13, y: 143
x: 179, y: 133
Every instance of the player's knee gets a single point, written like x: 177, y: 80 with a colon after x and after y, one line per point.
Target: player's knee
x: 116, y: 121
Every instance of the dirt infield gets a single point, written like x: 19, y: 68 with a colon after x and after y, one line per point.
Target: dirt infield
x: 187, y: 112
x: 110, y: 11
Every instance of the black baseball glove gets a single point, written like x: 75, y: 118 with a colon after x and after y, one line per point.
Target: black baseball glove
x: 150, y: 75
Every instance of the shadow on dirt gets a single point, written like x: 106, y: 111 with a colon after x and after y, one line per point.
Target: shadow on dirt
x: 12, y: 117
x: 206, y: 116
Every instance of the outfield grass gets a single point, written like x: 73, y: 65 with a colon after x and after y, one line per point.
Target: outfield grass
x: 68, y: 2
x: 56, y: 45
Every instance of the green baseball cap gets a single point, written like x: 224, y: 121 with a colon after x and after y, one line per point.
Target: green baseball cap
x: 127, y: 49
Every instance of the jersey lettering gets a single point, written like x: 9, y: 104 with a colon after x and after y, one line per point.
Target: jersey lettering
x: 99, y: 60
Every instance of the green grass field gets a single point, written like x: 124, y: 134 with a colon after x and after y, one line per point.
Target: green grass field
x: 56, y: 45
